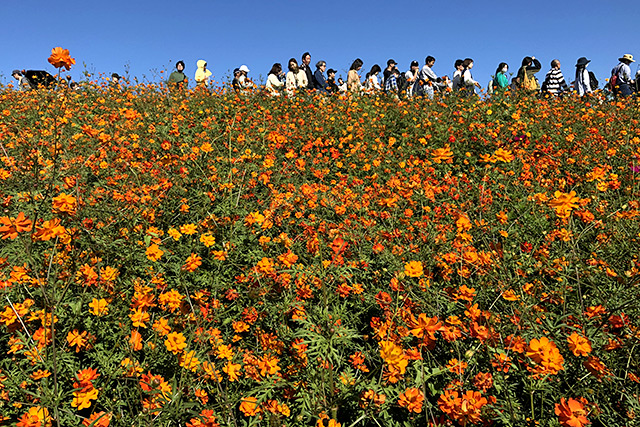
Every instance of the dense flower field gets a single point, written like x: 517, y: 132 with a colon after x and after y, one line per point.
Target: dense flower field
x: 204, y: 259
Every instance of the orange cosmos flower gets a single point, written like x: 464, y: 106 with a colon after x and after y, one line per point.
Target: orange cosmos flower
x: 503, y: 155
x: 97, y: 419
x: 192, y: 263
x: 99, y: 307
x: 77, y: 339
x: 442, y: 154
x: 154, y: 253
x: 249, y: 406
x: 135, y: 340
x: 233, y: 370
x: 413, y: 269
x: 412, y: 399
x: 10, y: 227
x: 82, y: 398
x: 139, y: 317
x: 60, y: 58
x: 579, y: 345
x: 564, y: 203
x: 546, y: 354
x: 394, y: 356
x: 175, y: 342
x: 571, y: 413
x: 49, y: 230
x: 64, y: 203
x: 35, y: 417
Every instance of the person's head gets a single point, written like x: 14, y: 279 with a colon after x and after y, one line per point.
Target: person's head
x: 306, y: 58
x: 276, y: 69
x: 375, y: 70
x: 293, y: 65
x: 582, y: 62
x: 244, y: 69
x: 180, y: 66
x: 555, y: 64
x: 74, y: 86
x: 467, y: 64
x: 414, y: 66
x: 526, y: 61
x: 16, y: 74
x: 627, y: 58
x: 321, y: 65
x: 458, y: 64
x: 502, y: 68
x: 331, y: 73
x: 115, y: 77
x: 357, y: 64
x: 236, y: 73
x: 391, y: 64
x: 395, y: 72
x: 429, y: 61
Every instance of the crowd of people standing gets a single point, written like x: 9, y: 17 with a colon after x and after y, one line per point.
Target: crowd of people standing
x: 415, y: 82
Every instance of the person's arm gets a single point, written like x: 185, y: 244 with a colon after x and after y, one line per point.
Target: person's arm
x: 564, y: 87
x: 535, y: 67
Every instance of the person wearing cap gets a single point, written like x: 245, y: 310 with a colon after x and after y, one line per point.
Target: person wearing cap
x: 244, y: 83
x: 115, y: 81
x: 235, y: 83
x: 23, y: 82
x: 332, y: 87
x: 202, y: 74
x: 178, y: 79
x: 391, y: 64
x: 431, y: 81
x: 621, y: 80
x: 582, y: 85
x: 413, y: 77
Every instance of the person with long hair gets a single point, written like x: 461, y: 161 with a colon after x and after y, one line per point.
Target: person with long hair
x: 582, y: 84
x: 372, y: 84
x: 353, y: 78
x: 274, y: 80
x: 296, y: 78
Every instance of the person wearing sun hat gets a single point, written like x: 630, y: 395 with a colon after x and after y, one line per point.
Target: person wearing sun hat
x: 620, y: 80
x: 582, y: 84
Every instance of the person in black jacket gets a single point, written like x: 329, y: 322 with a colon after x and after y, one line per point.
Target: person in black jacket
x: 530, y: 66
x: 305, y: 65
x: 318, y: 76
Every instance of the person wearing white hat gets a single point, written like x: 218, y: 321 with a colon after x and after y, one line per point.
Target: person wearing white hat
x: 620, y: 80
x: 245, y: 84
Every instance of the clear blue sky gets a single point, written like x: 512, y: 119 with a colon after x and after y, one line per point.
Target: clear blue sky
x: 145, y: 36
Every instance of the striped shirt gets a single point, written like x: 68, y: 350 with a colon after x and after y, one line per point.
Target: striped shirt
x: 554, y: 81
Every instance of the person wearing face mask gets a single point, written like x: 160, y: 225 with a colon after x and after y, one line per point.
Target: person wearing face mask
x: 501, y: 81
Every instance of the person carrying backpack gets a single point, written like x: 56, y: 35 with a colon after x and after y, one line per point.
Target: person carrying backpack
x: 620, y: 81
x: 526, y: 74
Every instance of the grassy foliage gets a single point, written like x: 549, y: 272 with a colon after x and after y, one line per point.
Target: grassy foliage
x: 209, y: 259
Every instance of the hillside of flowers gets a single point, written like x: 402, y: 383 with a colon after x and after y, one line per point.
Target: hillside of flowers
x: 208, y: 259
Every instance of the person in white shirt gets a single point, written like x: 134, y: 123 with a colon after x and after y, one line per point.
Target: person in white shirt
x: 413, y: 80
x: 431, y: 81
x: 296, y: 78
x: 582, y: 84
x: 371, y: 83
x: 467, y: 82
x: 274, y: 80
